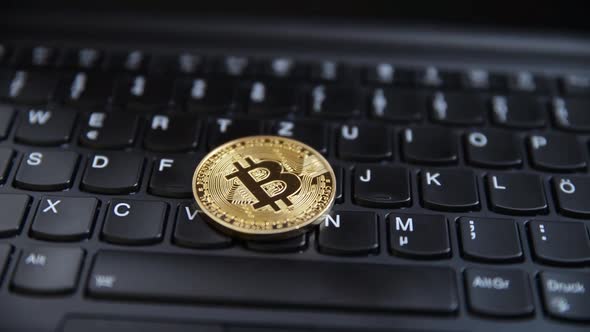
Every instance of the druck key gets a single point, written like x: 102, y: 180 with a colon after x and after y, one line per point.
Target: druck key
x: 135, y: 275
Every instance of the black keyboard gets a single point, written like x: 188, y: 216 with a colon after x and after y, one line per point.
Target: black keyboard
x: 463, y: 197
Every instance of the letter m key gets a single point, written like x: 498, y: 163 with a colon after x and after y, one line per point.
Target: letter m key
x: 400, y: 225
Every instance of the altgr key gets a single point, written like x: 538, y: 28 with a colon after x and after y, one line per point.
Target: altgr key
x: 499, y: 292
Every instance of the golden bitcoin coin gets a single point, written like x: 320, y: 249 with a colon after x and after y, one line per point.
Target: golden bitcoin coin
x: 264, y: 187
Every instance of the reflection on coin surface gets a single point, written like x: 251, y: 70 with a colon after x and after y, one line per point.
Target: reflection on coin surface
x: 264, y: 187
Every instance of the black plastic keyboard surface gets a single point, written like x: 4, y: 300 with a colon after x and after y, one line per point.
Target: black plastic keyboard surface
x: 462, y: 199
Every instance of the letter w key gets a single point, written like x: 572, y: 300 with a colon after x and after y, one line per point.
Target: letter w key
x: 45, y: 126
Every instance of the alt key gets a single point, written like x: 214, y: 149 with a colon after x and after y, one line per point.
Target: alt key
x: 45, y: 270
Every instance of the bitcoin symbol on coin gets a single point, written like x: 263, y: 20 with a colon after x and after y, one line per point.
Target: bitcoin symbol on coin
x: 263, y: 187
x: 283, y: 184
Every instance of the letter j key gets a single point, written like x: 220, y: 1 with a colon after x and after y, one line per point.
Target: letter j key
x: 382, y: 186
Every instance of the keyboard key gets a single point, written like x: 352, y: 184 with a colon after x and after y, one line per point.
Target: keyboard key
x: 382, y: 73
x: 335, y: 102
x: 133, y: 61
x: 144, y: 93
x: 234, y: 66
x: 516, y: 193
x: 331, y: 71
x: 184, y: 63
x: 45, y: 126
x: 134, y: 222
x: 504, y: 293
x: 172, y: 177
x: 38, y: 56
x: 222, y: 130
x: 572, y: 114
x: 14, y: 209
x: 83, y: 58
x: 458, y: 109
x: 312, y: 133
x: 27, y: 87
x: 563, y: 243
x: 556, y: 152
x: 283, y: 67
x: 364, y: 142
x: 135, y: 275
x: 449, y: 190
x: 524, y: 81
x: 271, y: 98
x: 382, y: 186
x: 193, y: 231
x: 6, y: 119
x: 48, y: 270
x: 398, y: 105
x: 64, y: 218
x: 86, y: 90
x: 490, y: 240
x: 349, y: 233
x: 109, y: 131
x: 571, y: 193
x: 172, y: 132
x: 480, y: 79
x: 492, y: 148
x: 419, y: 236
x: 6, y: 155
x: 46, y: 171
x: 576, y: 84
x: 294, y: 244
x: 201, y: 95
x: 433, y: 77
x: 113, y: 173
x: 5, y: 251
x: 565, y: 294
x: 432, y: 145
x: 519, y: 111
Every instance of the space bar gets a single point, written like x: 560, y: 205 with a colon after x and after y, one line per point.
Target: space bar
x: 272, y: 281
